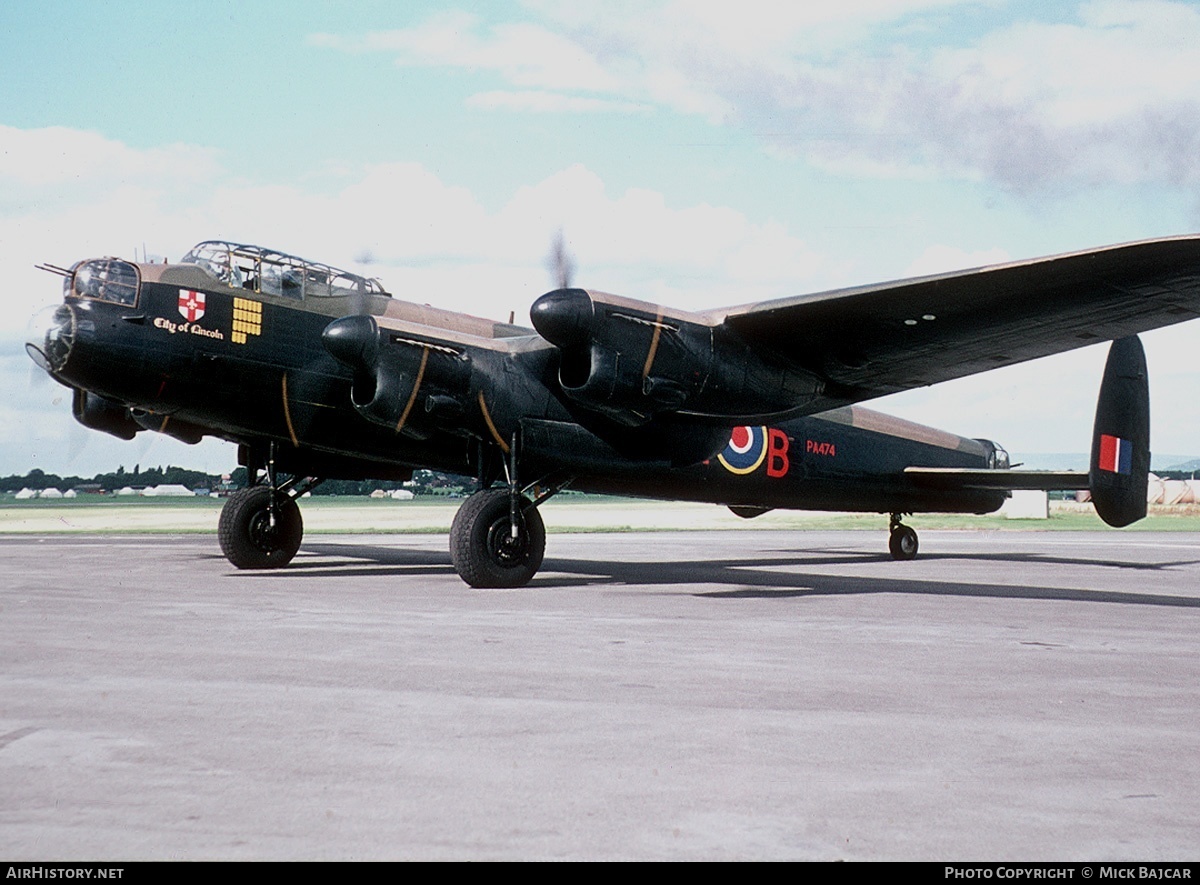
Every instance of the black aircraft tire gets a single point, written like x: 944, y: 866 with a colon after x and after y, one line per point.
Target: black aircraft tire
x: 903, y: 543
x: 481, y: 547
x: 246, y: 537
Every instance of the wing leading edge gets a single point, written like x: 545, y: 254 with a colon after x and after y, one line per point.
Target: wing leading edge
x: 875, y: 340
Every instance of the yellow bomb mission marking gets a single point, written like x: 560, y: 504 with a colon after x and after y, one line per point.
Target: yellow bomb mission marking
x: 247, y: 319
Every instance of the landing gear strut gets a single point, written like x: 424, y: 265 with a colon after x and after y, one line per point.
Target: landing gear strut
x: 903, y: 540
x: 498, y: 538
x: 260, y: 526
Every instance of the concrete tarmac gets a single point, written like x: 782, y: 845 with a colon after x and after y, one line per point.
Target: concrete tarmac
x: 716, y: 695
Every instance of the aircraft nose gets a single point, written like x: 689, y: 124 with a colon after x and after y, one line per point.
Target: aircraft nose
x: 50, y: 336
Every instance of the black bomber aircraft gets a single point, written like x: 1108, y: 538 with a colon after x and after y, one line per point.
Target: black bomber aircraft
x: 319, y: 373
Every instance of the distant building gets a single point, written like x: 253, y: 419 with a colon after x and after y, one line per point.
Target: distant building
x: 1173, y: 491
x: 168, y: 490
x: 1026, y: 504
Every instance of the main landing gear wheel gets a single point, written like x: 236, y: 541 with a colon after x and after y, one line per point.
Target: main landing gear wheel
x: 248, y: 535
x: 903, y: 543
x: 482, y: 547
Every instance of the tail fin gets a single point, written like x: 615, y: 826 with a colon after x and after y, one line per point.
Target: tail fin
x: 1121, y: 437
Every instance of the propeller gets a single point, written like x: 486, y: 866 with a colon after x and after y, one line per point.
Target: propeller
x: 560, y: 262
x: 360, y: 304
x: 562, y: 316
x: 39, y: 379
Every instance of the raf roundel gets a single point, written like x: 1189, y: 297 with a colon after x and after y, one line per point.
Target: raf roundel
x: 746, y: 450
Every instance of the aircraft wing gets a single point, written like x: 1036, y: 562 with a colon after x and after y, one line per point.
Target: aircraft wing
x: 875, y: 340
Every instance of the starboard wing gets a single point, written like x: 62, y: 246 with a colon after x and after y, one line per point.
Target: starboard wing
x: 875, y: 340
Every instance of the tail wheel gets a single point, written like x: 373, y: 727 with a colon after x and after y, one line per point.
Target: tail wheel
x: 903, y: 543
x: 248, y: 538
x: 482, y: 547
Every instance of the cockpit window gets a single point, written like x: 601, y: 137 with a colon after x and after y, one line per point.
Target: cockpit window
x: 107, y: 279
x: 256, y: 269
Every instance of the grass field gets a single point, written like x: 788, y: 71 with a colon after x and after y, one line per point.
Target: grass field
x: 566, y: 514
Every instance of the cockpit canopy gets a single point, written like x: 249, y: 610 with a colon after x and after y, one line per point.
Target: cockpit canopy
x: 997, y: 457
x: 104, y: 279
x: 275, y: 273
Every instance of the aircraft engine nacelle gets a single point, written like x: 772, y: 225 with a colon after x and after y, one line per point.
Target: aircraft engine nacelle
x: 631, y: 360
x: 410, y: 385
x: 101, y: 413
x: 184, y: 431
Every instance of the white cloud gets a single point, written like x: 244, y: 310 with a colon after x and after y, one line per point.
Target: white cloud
x: 1120, y: 57
x: 1112, y: 97
x: 542, y: 102
x: 894, y: 88
x: 526, y: 55
x: 761, y: 31
x: 56, y: 155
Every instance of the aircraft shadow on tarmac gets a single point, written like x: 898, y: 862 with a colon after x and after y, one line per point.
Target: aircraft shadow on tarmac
x: 781, y: 574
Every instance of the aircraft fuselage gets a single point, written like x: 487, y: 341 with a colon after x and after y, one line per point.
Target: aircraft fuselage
x: 319, y: 373
x: 186, y: 356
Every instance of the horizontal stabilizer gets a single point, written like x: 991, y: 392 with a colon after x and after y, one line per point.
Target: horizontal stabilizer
x: 1120, y: 460
x: 997, y: 480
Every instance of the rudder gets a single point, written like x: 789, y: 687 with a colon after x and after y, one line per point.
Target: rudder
x: 1120, y: 464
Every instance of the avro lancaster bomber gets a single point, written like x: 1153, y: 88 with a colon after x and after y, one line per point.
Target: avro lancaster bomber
x: 317, y: 373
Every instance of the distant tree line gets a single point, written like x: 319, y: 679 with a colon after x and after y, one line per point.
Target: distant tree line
x: 424, y: 482
x: 110, y: 482
x: 1176, y: 474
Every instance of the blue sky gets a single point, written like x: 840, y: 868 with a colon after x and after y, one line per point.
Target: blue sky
x: 698, y: 154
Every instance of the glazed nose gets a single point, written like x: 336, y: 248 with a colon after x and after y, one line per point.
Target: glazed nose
x: 50, y: 336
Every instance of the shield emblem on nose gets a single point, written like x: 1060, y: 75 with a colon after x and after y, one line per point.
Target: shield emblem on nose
x: 191, y: 304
